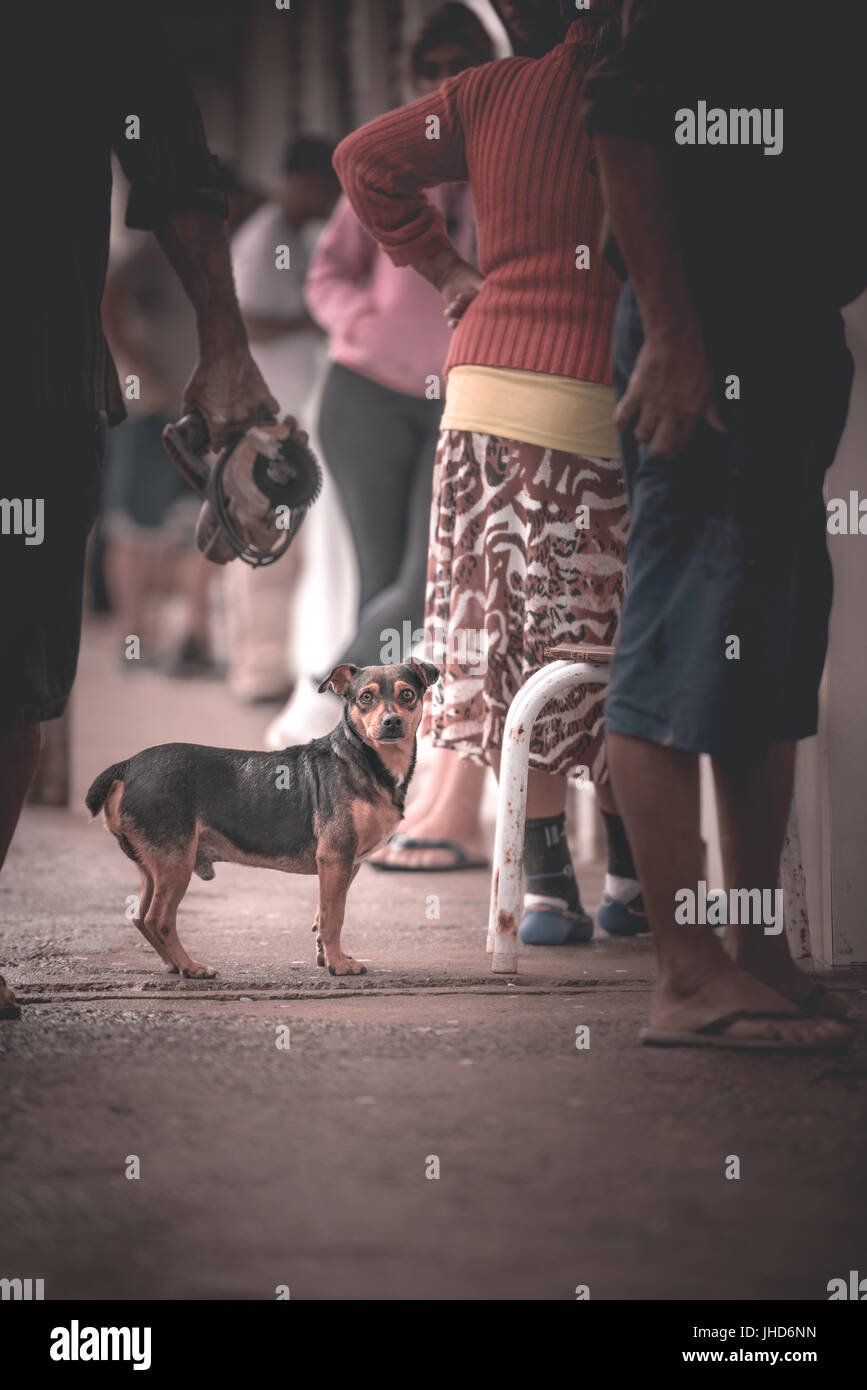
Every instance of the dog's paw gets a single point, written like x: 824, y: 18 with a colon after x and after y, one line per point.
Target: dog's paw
x: 172, y: 970
x: 194, y: 971
x: 345, y: 965
x: 320, y: 958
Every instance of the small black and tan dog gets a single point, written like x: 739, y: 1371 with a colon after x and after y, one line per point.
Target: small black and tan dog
x: 319, y: 808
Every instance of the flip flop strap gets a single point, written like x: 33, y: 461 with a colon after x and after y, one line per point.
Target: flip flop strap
x: 722, y: 1025
x: 408, y: 842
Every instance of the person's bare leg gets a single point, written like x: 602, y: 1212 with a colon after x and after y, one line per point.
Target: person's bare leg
x: 19, y: 756
x: 657, y: 791
x: 605, y: 797
x: 196, y: 585
x: 439, y: 765
x: 546, y: 791
x: 448, y: 809
x: 129, y: 571
x: 753, y: 808
x: 546, y: 795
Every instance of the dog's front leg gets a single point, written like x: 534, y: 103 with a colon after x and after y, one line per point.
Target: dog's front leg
x: 320, y: 949
x: 335, y: 876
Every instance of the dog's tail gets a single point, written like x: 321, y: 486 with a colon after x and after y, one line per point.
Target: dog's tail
x: 99, y: 788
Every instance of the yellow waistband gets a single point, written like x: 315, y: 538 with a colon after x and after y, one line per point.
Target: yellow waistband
x: 554, y: 411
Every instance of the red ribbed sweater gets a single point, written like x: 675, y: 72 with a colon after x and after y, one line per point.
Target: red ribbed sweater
x: 513, y: 128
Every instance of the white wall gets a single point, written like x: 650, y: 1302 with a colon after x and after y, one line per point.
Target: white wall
x: 832, y: 772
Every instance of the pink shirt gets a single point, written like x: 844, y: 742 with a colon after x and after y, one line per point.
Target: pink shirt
x: 384, y: 322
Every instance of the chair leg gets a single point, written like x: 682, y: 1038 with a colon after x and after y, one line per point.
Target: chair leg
x: 545, y: 685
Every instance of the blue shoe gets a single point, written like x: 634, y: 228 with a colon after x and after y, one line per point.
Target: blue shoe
x: 622, y: 919
x: 545, y: 924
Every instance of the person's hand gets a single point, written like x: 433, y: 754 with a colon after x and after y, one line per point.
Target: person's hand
x: 459, y: 288
x: 670, y: 391
x: 229, y: 391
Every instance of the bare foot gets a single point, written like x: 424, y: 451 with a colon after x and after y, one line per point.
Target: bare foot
x: 780, y: 973
x: 727, y: 988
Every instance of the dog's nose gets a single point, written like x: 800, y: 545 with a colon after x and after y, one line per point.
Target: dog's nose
x: 391, y: 726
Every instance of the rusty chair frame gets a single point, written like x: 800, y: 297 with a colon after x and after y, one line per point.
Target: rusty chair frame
x: 567, y: 667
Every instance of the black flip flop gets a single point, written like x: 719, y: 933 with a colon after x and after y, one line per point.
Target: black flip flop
x: 714, y: 1035
x: 8, y: 1007
x: 462, y: 861
x: 811, y: 1004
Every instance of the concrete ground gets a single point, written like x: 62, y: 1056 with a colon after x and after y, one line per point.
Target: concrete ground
x: 262, y: 1166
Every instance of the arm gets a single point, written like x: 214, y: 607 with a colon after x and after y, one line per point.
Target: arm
x: 386, y: 166
x: 629, y: 114
x: 176, y: 192
x: 261, y: 330
x: 671, y: 387
x: 226, y: 385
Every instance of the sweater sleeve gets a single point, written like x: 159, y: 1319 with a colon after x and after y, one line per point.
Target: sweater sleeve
x: 344, y: 255
x: 387, y: 164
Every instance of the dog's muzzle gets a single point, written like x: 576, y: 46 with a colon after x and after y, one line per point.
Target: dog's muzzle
x: 390, y: 729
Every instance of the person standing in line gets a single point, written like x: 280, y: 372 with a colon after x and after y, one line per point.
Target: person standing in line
x: 382, y: 400
x: 528, y: 538
x: 733, y: 375
x: 84, y: 73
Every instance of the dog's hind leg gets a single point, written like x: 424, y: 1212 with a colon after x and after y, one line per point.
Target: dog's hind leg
x: 144, y: 902
x: 171, y: 880
x: 137, y: 851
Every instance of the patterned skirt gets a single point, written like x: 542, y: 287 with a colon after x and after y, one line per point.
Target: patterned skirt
x: 527, y: 550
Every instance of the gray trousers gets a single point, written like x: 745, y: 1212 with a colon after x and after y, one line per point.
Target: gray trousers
x: 380, y: 447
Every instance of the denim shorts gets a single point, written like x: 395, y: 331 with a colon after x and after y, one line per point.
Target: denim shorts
x: 51, y: 477
x: 724, y: 627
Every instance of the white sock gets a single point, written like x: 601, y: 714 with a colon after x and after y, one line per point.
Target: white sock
x: 539, y: 901
x: 621, y: 890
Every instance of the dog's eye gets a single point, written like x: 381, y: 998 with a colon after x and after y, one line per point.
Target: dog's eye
x: 365, y: 698
x: 407, y: 697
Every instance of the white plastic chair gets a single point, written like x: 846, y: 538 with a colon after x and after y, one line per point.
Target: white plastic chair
x: 569, y: 666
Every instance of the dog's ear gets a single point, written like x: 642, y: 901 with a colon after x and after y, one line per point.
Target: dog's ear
x: 429, y: 674
x: 339, y: 678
